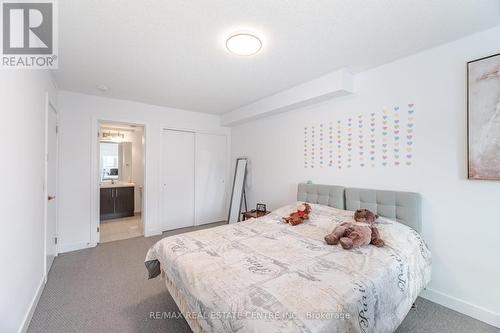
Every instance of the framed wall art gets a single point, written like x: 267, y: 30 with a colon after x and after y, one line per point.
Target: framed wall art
x: 483, y: 118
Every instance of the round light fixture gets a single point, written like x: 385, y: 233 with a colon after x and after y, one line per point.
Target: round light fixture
x: 243, y: 44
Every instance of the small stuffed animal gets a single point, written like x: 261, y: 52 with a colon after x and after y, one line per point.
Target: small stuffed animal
x: 299, y: 216
x: 365, y: 215
x: 350, y: 234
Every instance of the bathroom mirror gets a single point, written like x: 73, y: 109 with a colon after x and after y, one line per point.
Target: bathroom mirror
x: 116, y: 161
x: 238, y: 192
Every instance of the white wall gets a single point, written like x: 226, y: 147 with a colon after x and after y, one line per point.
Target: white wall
x: 459, y: 216
x: 79, y: 114
x: 22, y: 240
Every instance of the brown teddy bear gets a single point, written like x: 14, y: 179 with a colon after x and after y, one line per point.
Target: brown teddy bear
x: 299, y: 216
x: 350, y: 235
x: 365, y: 215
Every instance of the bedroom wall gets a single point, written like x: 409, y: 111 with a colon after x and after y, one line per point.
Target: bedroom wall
x: 78, y: 115
x: 23, y: 106
x: 459, y: 222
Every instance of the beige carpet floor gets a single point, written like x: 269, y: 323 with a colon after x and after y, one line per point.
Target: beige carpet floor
x: 105, y: 289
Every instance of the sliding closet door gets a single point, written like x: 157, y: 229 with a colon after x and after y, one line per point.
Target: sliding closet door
x: 211, y: 161
x: 177, y: 207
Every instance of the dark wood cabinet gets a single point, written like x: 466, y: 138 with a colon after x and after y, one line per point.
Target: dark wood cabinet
x: 116, y: 202
x: 107, y: 202
x: 124, y: 202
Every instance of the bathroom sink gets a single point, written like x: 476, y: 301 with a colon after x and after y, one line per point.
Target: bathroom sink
x: 117, y: 184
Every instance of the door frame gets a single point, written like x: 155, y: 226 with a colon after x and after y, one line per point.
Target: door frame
x: 95, y: 175
x: 50, y: 107
x: 228, y: 165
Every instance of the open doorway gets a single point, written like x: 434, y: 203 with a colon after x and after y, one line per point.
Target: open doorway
x: 121, y: 181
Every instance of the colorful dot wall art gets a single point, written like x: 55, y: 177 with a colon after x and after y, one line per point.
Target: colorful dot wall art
x: 361, y: 150
x: 397, y: 138
x: 339, y: 144
x: 349, y: 142
x: 409, y: 134
x: 312, y: 146
x: 385, y: 132
x: 330, y: 144
x: 371, y: 134
x: 384, y: 138
x: 321, y: 145
x: 305, y: 148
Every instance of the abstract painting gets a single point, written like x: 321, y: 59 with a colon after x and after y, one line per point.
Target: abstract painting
x: 483, y: 113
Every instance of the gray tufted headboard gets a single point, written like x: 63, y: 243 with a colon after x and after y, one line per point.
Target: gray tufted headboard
x: 328, y: 195
x: 404, y: 207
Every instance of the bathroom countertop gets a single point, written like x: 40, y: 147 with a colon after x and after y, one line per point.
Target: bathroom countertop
x: 116, y: 184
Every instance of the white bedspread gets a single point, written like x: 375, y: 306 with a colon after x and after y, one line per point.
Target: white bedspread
x: 263, y: 275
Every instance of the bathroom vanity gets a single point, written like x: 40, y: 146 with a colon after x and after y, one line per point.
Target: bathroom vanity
x: 116, y: 200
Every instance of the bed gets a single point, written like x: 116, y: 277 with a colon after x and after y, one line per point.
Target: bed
x: 263, y: 275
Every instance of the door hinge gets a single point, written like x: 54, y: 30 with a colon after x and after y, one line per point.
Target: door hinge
x: 98, y: 229
x: 98, y: 134
x: 55, y: 240
x: 57, y: 128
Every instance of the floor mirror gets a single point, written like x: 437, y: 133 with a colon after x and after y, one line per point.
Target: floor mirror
x: 238, y: 192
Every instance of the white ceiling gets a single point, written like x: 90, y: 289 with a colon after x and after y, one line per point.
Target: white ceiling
x: 172, y: 53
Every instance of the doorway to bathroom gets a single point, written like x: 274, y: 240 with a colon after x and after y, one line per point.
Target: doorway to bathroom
x: 121, y: 181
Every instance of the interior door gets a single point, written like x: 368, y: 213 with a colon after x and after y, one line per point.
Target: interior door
x: 210, y: 177
x: 51, y: 218
x: 177, y: 179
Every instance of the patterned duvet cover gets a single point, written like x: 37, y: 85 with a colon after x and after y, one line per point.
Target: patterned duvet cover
x: 263, y: 275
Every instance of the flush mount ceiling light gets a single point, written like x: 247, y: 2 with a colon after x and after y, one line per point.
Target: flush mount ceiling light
x: 243, y: 44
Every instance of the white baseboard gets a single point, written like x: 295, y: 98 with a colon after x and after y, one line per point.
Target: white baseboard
x: 149, y: 233
x: 462, y: 306
x: 62, y: 248
x: 34, y: 302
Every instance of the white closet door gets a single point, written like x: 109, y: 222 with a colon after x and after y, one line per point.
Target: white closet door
x: 178, y: 179
x: 211, y: 160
